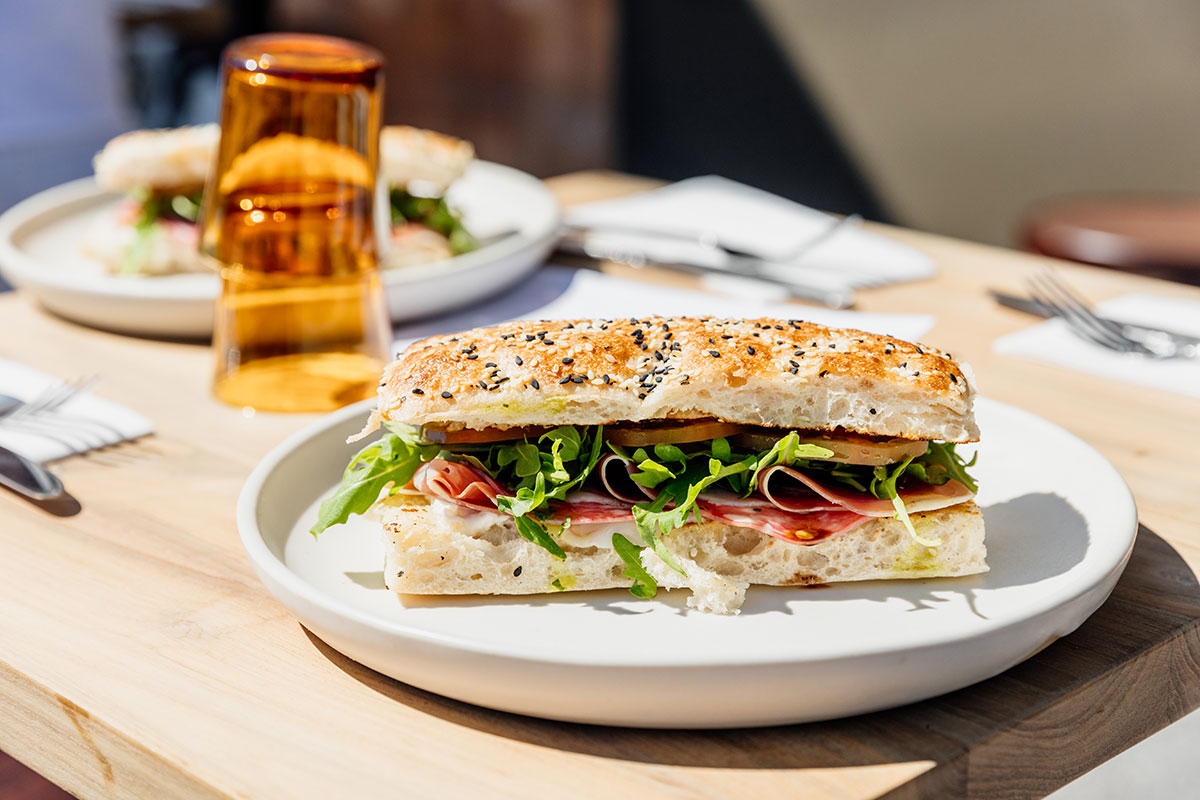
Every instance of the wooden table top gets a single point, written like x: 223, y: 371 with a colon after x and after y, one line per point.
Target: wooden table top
x: 140, y: 657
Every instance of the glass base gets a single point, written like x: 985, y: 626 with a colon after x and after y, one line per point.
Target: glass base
x: 304, y: 383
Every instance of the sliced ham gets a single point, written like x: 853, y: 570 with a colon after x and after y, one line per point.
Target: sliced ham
x: 792, y: 490
x: 587, y: 507
x: 459, y: 483
x: 807, y: 527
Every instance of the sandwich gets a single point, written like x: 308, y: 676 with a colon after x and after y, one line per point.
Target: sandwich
x: 698, y: 453
x: 418, y: 167
x: 162, y: 175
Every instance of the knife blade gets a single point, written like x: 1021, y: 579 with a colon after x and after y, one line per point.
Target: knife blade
x: 27, y: 477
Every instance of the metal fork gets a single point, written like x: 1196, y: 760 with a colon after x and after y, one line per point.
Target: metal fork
x: 1049, y: 290
x: 51, y: 398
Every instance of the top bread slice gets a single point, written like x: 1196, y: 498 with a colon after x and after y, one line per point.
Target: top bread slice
x: 779, y: 373
x: 408, y: 154
x: 162, y: 160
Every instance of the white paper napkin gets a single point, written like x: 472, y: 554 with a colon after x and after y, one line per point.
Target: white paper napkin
x: 756, y: 222
x: 1051, y: 342
x: 85, y: 422
x: 561, y: 293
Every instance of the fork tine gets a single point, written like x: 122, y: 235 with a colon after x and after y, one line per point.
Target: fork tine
x: 1067, y: 309
x: 1079, y: 302
x: 53, y: 397
x: 1079, y: 323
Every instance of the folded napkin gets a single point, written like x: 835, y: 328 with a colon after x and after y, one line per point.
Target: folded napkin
x: 85, y: 422
x: 563, y: 293
x: 753, y: 221
x: 1051, y: 342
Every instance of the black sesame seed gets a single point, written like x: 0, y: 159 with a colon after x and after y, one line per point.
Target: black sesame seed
x: 794, y: 370
x: 576, y: 379
x: 726, y: 335
x: 833, y: 347
x: 418, y: 391
x: 502, y: 380
x: 493, y: 363
x: 447, y: 395
x: 547, y: 341
x: 519, y: 361
x: 607, y: 379
x: 482, y: 384
x: 954, y: 378
x: 750, y: 350
x: 714, y: 354
x: 794, y: 363
x: 915, y: 374
x: 904, y: 365
x: 568, y: 360
x: 872, y: 411
x: 529, y: 337
x: 920, y: 351
x: 566, y: 379
x: 472, y: 357
x: 658, y: 379
x: 643, y: 346
x: 533, y: 382
x: 641, y: 395
x: 517, y: 572
x: 658, y: 355
x: 823, y: 373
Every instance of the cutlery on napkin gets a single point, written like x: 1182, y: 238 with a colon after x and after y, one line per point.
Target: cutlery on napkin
x: 1051, y: 342
x: 791, y: 240
x: 82, y: 423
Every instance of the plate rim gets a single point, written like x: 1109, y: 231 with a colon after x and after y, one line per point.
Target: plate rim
x: 265, y: 561
x: 24, y: 270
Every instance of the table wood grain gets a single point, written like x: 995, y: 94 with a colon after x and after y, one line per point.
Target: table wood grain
x: 140, y: 657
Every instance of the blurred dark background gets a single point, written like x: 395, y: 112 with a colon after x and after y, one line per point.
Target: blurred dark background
x: 668, y: 88
x: 935, y: 114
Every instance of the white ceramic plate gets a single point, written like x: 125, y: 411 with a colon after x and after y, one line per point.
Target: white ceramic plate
x: 1060, y: 527
x: 41, y: 253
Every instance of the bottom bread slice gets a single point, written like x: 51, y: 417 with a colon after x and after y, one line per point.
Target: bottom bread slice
x: 484, y: 554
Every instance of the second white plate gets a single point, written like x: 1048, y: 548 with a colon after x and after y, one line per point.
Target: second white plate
x: 41, y: 253
x: 1060, y: 527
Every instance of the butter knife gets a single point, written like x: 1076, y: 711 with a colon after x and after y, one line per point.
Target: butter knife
x: 27, y: 477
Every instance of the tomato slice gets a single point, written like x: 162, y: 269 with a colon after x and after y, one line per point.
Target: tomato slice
x: 669, y: 431
x: 439, y: 435
x: 848, y: 448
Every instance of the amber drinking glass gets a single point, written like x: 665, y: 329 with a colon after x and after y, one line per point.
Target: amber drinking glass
x: 288, y: 219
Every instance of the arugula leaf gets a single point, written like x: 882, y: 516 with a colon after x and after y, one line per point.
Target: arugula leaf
x: 434, y: 213
x: 786, y: 452
x: 644, y: 585
x: 883, y: 486
x: 940, y: 463
x: 651, y: 473
x: 388, y: 463
x: 534, y: 531
x: 655, y: 520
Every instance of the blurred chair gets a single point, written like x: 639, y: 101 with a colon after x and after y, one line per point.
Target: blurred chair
x: 1156, y: 235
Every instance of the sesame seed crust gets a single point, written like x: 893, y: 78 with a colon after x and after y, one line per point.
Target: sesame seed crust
x: 783, y: 373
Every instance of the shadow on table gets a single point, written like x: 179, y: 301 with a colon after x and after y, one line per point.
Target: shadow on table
x: 1124, y: 674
